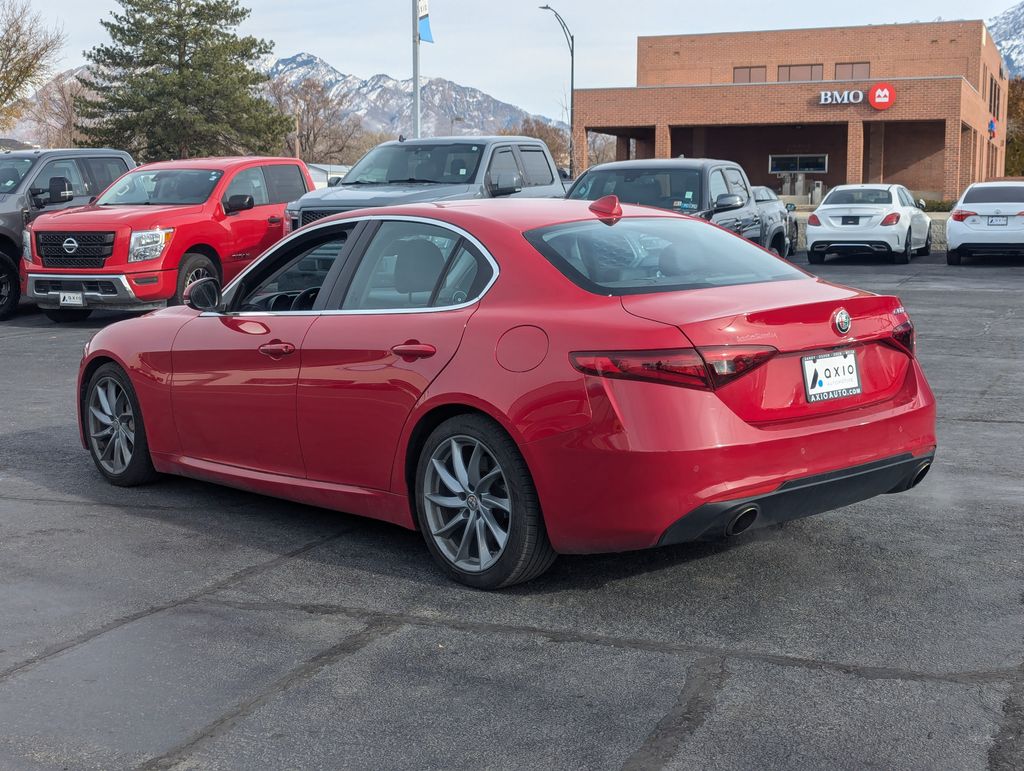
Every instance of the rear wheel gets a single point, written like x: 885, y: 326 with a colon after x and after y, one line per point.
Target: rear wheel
x: 903, y: 258
x: 67, y: 315
x: 10, y: 289
x: 815, y: 257
x: 477, y: 507
x: 953, y: 257
x: 193, y: 267
x: 925, y: 250
x: 114, y: 429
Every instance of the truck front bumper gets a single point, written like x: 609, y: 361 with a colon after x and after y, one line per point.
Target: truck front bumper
x: 110, y: 291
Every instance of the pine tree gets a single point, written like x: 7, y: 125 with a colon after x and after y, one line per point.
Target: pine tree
x: 176, y: 81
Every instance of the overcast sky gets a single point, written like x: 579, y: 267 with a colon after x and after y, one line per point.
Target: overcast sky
x: 509, y: 48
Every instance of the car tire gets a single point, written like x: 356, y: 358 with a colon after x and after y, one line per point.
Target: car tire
x: 815, y: 257
x: 954, y: 257
x: 10, y: 287
x: 925, y: 250
x: 903, y: 258
x: 193, y: 267
x: 501, y: 506
x: 67, y: 315
x: 114, y: 429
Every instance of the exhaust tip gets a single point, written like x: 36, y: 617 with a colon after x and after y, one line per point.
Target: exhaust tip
x: 921, y: 473
x: 742, y: 520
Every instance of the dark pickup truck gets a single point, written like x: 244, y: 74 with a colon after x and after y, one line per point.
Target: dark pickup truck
x: 715, y: 190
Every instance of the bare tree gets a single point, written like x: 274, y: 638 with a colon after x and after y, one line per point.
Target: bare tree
x: 324, y: 130
x: 28, y: 48
x: 600, y: 148
x: 54, y: 112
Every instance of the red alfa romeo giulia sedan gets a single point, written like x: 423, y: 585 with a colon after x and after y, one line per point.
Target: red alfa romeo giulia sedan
x: 518, y: 379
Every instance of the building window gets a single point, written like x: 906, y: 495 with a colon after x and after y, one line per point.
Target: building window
x: 749, y: 74
x: 801, y: 72
x: 994, y: 97
x: 812, y: 163
x: 853, y: 71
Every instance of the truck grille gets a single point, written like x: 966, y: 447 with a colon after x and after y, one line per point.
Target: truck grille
x: 312, y: 215
x: 74, y: 250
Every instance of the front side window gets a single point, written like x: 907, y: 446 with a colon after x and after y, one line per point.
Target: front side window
x: 67, y: 169
x: 716, y: 185
x: 737, y: 184
x: 412, y: 265
x: 676, y: 189
x: 396, y: 163
x: 535, y: 166
x: 854, y: 196
x: 249, y: 182
x: 285, y: 182
x: 104, y: 171
x: 502, y: 162
x: 12, y: 171
x: 291, y: 281
x: 642, y: 255
x: 165, y: 187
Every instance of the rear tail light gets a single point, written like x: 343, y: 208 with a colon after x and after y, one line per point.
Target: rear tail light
x: 905, y: 338
x: 891, y: 219
x: 813, y: 220
x: 704, y: 368
x: 959, y: 215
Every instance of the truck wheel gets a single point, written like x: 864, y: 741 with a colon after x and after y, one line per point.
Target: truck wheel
x: 10, y: 289
x: 193, y: 267
x: 67, y: 315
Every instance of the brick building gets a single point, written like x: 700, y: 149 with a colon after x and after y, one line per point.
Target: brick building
x: 923, y: 105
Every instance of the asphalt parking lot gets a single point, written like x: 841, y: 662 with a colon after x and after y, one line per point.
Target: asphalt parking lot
x: 190, y: 626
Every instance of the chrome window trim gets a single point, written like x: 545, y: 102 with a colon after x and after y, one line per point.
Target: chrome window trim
x: 495, y: 270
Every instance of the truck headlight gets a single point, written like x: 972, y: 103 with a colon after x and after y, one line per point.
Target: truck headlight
x: 149, y: 244
x: 26, y: 246
x: 291, y: 220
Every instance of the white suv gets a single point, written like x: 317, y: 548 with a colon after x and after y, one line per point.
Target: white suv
x: 880, y: 219
x: 988, y: 219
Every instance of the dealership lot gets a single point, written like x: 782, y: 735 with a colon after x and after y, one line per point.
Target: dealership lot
x: 185, y: 625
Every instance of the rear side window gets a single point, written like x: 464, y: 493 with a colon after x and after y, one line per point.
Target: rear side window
x: 285, y: 182
x: 855, y: 196
x: 995, y: 194
x: 643, y: 255
x: 104, y: 171
x: 535, y: 166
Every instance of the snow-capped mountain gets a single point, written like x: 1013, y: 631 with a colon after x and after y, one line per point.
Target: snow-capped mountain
x: 385, y: 103
x: 1008, y: 32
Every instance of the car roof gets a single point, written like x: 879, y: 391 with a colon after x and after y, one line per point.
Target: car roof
x: 868, y: 186
x: 217, y: 164
x: 464, y: 140
x: 662, y: 163
x: 1000, y: 181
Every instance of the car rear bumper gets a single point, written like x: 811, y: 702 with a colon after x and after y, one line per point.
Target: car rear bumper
x: 1008, y: 249
x: 111, y: 291
x: 799, y: 498
x: 854, y: 246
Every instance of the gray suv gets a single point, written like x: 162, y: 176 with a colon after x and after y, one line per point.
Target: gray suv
x: 33, y: 182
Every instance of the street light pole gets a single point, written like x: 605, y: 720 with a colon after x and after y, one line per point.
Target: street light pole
x: 572, y: 82
x: 415, y: 70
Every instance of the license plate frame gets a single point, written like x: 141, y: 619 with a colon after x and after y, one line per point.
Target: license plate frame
x: 830, y: 376
x: 72, y: 300
x: 997, y: 221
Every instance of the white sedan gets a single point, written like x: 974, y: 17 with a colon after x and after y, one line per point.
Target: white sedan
x: 988, y: 219
x: 880, y: 219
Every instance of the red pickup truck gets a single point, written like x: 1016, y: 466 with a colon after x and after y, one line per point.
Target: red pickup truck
x: 155, y: 230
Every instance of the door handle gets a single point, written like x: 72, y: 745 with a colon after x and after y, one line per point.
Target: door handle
x: 412, y: 349
x: 275, y: 220
x: 276, y: 349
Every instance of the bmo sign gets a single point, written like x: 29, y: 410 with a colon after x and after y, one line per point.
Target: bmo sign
x: 881, y: 96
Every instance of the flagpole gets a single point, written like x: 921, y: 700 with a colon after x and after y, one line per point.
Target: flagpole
x: 415, y: 69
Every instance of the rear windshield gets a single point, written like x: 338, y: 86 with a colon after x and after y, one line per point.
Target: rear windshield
x: 165, y: 187
x: 995, y: 194
x: 677, y: 189
x: 857, y: 196
x: 647, y: 254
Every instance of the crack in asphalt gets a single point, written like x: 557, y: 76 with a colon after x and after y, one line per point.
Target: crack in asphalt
x: 704, y: 680
x: 1007, y: 750
x: 979, y: 677
x: 353, y: 643
x: 92, y: 634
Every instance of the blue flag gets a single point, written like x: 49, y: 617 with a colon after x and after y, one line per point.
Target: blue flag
x: 424, y: 23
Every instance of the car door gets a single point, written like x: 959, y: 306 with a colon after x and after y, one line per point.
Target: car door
x: 235, y: 373
x: 397, y: 321
x: 254, y: 230
x: 749, y: 225
x: 52, y: 170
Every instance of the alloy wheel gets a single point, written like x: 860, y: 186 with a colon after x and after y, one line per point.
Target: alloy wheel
x: 111, y: 426
x: 467, y: 503
x: 5, y: 290
x: 195, y: 274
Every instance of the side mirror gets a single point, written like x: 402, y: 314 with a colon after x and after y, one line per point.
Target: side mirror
x: 333, y: 181
x: 203, y: 295
x: 60, y: 190
x: 237, y: 203
x: 921, y: 204
x: 790, y: 207
x: 505, y: 183
x: 728, y: 202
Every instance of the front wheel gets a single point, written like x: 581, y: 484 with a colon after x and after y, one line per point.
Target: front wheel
x: 67, y: 315
x: 477, y: 507
x: 114, y: 429
x: 10, y: 288
x: 192, y: 268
